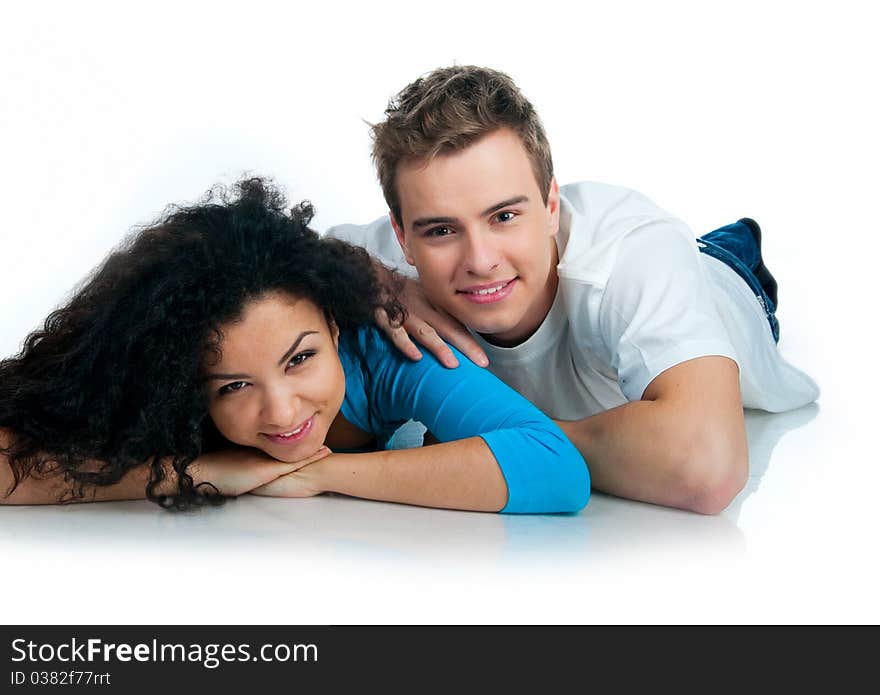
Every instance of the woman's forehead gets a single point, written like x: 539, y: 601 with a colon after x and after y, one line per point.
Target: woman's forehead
x: 270, y: 325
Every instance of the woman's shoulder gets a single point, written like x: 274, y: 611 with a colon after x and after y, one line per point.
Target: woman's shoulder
x: 364, y: 346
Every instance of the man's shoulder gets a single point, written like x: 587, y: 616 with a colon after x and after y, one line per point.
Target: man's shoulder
x: 354, y: 232
x: 597, y: 217
x: 596, y: 198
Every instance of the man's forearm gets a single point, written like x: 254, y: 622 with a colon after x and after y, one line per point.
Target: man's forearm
x: 643, y: 451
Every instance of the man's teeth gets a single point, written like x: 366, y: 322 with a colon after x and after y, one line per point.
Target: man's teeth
x: 490, y: 290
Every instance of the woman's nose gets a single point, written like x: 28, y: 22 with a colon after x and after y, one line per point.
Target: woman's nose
x: 280, y: 407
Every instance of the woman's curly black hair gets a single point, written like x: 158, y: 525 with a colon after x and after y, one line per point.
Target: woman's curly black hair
x: 114, y: 376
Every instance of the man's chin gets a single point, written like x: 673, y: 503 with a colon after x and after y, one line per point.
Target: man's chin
x: 502, y: 334
x: 496, y: 325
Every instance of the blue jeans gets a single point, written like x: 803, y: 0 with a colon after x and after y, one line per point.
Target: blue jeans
x: 734, y: 245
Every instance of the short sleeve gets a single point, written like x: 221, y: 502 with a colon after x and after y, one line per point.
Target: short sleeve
x: 658, y: 309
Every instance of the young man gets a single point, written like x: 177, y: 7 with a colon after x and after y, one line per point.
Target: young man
x: 591, y: 301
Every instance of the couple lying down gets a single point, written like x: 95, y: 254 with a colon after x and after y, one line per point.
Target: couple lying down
x: 229, y: 349
x: 227, y: 345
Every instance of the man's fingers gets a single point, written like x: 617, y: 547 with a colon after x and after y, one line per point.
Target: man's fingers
x: 398, y: 336
x: 432, y: 328
x: 404, y: 343
x: 429, y: 338
x: 449, y: 329
x: 456, y: 334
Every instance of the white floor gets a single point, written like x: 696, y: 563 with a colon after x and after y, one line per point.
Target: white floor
x: 767, y: 110
x: 798, y: 545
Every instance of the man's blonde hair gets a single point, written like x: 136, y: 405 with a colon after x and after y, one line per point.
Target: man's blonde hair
x: 448, y: 110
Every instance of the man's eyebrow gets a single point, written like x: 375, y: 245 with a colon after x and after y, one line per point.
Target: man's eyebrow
x: 427, y: 221
x: 294, y: 346
x: 287, y: 355
x: 505, y: 203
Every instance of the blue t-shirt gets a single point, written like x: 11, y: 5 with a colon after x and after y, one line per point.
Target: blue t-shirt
x: 543, y: 470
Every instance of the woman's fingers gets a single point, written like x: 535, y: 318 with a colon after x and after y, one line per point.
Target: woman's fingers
x: 295, y: 484
x: 317, y: 456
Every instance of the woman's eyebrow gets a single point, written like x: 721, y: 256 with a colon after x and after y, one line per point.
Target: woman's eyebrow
x: 294, y: 346
x: 227, y: 376
x: 286, y: 356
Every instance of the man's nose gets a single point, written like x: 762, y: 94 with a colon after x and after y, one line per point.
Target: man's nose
x: 481, y: 254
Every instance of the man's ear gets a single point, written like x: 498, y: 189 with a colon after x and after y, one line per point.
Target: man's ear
x: 553, y: 206
x: 401, y: 239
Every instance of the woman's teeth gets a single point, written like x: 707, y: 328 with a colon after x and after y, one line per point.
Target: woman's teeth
x: 292, y: 433
x: 491, y: 290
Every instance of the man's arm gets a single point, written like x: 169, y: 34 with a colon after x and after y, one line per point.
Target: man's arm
x: 683, y: 445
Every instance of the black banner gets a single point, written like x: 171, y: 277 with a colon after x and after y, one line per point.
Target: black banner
x: 270, y: 659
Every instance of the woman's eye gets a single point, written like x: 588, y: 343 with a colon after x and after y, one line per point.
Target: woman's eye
x: 229, y: 388
x: 299, y: 358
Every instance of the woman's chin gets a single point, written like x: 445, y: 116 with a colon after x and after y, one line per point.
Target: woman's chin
x: 291, y: 454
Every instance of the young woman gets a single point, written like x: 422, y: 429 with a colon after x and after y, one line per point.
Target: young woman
x: 228, y: 349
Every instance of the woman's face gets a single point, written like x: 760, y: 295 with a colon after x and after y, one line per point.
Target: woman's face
x: 280, y: 383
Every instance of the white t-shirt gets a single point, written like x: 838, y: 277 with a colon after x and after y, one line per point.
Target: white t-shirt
x: 635, y: 298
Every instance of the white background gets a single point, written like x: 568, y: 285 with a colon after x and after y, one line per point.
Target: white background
x: 714, y: 110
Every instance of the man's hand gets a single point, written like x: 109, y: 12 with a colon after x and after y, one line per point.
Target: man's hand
x: 430, y: 326
x: 238, y: 471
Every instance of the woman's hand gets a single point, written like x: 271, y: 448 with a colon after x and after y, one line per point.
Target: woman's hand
x: 238, y: 471
x: 303, y: 482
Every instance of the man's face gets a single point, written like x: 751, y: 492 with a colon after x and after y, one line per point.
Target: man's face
x: 476, y: 227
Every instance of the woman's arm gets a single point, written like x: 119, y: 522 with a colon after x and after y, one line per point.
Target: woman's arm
x: 455, y: 475
x: 501, y: 453
x: 232, y: 472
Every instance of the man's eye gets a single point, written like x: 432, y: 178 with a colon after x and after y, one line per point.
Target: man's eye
x: 299, y: 358
x: 229, y: 388
x: 438, y: 232
x: 505, y: 216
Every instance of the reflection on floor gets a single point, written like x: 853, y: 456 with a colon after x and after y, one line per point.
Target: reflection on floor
x: 337, y: 559
x: 608, y: 526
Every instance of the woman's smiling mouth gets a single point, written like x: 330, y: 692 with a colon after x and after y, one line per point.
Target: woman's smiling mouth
x: 295, y: 435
